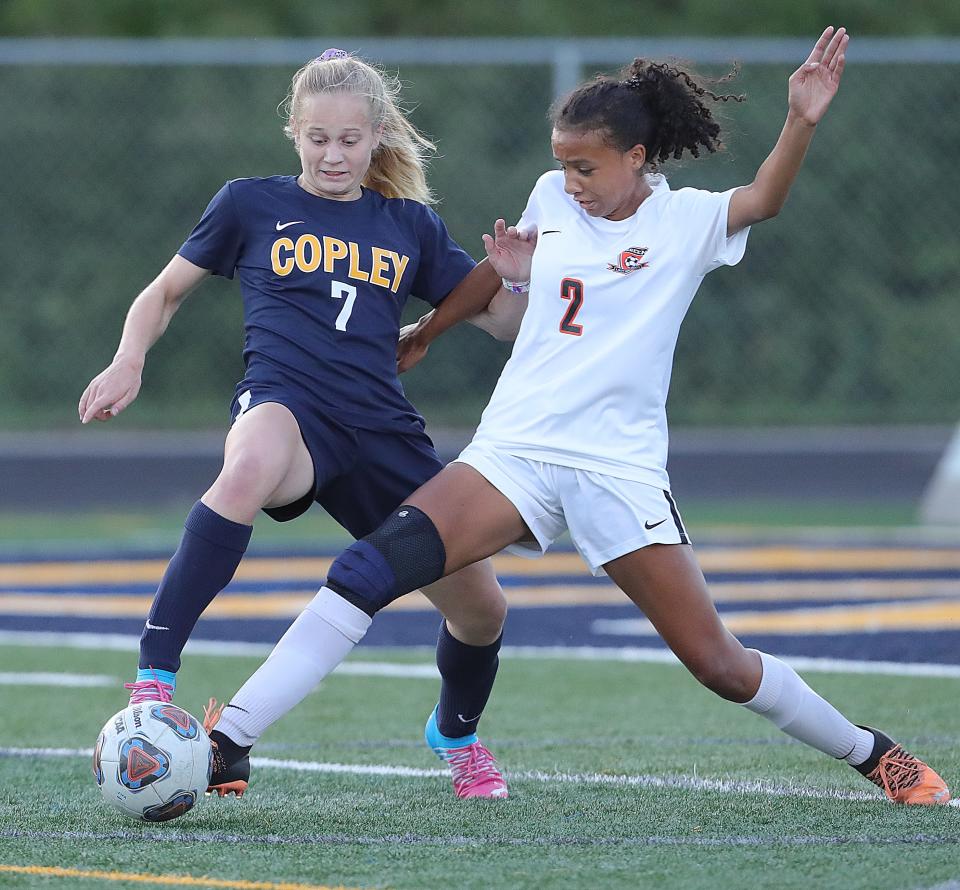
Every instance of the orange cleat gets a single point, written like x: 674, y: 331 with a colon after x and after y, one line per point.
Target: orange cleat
x: 907, y: 779
x: 225, y: 778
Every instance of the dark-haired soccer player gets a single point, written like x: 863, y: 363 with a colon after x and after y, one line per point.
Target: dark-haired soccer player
x: 575, y: 435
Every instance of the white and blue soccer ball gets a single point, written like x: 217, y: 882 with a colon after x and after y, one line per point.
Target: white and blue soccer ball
x: 152, y: 761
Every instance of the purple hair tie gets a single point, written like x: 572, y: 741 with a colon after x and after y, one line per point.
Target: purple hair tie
x: 332, y: 53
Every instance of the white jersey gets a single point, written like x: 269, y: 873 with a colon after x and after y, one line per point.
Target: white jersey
x: 587, y: 383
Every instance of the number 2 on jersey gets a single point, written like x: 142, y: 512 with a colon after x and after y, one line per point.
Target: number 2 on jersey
x: 571, y: 289
x: 339, y: 291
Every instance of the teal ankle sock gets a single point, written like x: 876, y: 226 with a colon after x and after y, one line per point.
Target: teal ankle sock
x: 437, y: 739
x: 168, y: 677
x: 446, y: 741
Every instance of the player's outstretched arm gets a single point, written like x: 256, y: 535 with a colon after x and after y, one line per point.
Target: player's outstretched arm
x: 118, y: 385
x: 479, y: 298
x: 471, y: 296
x: 811, y: 89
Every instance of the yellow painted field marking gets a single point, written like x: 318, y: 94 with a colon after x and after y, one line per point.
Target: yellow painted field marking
x: 149, y: 571
x: 786, y: 559
x: 314, y: 569
x: 935, y: 615
x: 168, y: 880
x: 847, y: 619
x: 767, y: 591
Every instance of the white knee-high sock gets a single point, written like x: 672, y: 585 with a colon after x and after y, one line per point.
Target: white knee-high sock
x: 787, y: 702
x: 321, y: 637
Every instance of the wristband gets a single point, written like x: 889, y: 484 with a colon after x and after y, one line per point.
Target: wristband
x: 516, y: 287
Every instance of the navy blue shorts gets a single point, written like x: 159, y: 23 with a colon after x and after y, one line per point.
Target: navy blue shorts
x: 360, y: 476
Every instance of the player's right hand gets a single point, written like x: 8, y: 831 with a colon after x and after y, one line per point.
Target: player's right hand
x: 411, y: 348
x: 110, y: 391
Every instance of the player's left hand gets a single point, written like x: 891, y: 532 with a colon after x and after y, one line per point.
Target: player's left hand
x: 814, y: 84
x: 510, y: 250
x: 410, y: 347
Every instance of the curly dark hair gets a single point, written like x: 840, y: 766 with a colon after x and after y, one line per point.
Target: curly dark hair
x: 654, y: 104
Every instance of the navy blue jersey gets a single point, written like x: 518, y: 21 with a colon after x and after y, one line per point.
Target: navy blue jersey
x: 324, y: 283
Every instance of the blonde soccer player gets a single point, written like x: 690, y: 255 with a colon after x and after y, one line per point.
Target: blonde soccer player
x: 326, y: 260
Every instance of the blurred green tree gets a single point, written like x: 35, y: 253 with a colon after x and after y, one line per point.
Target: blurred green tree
x: 612, y: 18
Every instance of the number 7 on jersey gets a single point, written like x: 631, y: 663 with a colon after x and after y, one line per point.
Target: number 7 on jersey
x: 339, y: 291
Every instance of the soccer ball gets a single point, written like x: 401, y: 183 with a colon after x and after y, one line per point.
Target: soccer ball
x: 152, y: 761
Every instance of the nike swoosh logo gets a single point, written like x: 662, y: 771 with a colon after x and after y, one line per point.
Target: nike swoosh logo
x: 648, y: 525
x: 463, y: 719
x: 281, y: 226
x: 237, y: 708
x: 150, y: 626
x: 550, y: 232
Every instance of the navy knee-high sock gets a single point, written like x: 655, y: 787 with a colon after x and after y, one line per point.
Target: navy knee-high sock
x: 467, y: 674
x: 210, y: 551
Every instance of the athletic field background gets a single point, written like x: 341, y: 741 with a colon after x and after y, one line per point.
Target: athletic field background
x: 814, y: 393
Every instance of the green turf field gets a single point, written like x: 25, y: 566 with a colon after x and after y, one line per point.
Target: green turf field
x: 589, y: 722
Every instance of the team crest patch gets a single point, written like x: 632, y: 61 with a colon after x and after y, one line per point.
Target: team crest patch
x: 629, y: 261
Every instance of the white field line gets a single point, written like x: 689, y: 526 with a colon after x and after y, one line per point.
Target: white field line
x: 680, y: 782
x: 122, y: 642
x: 130, y: 643
x: 798, y: 662
x: 41, y: 678
x: 356, y: 668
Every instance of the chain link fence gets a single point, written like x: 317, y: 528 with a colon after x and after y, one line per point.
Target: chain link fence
x: 845, y: 309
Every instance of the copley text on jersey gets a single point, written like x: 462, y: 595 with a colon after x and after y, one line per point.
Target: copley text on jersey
x: 309, y: 252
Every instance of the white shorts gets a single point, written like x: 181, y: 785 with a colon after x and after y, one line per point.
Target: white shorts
x: 607, y: 517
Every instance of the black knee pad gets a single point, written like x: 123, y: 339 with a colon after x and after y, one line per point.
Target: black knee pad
x: 404, y: 554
